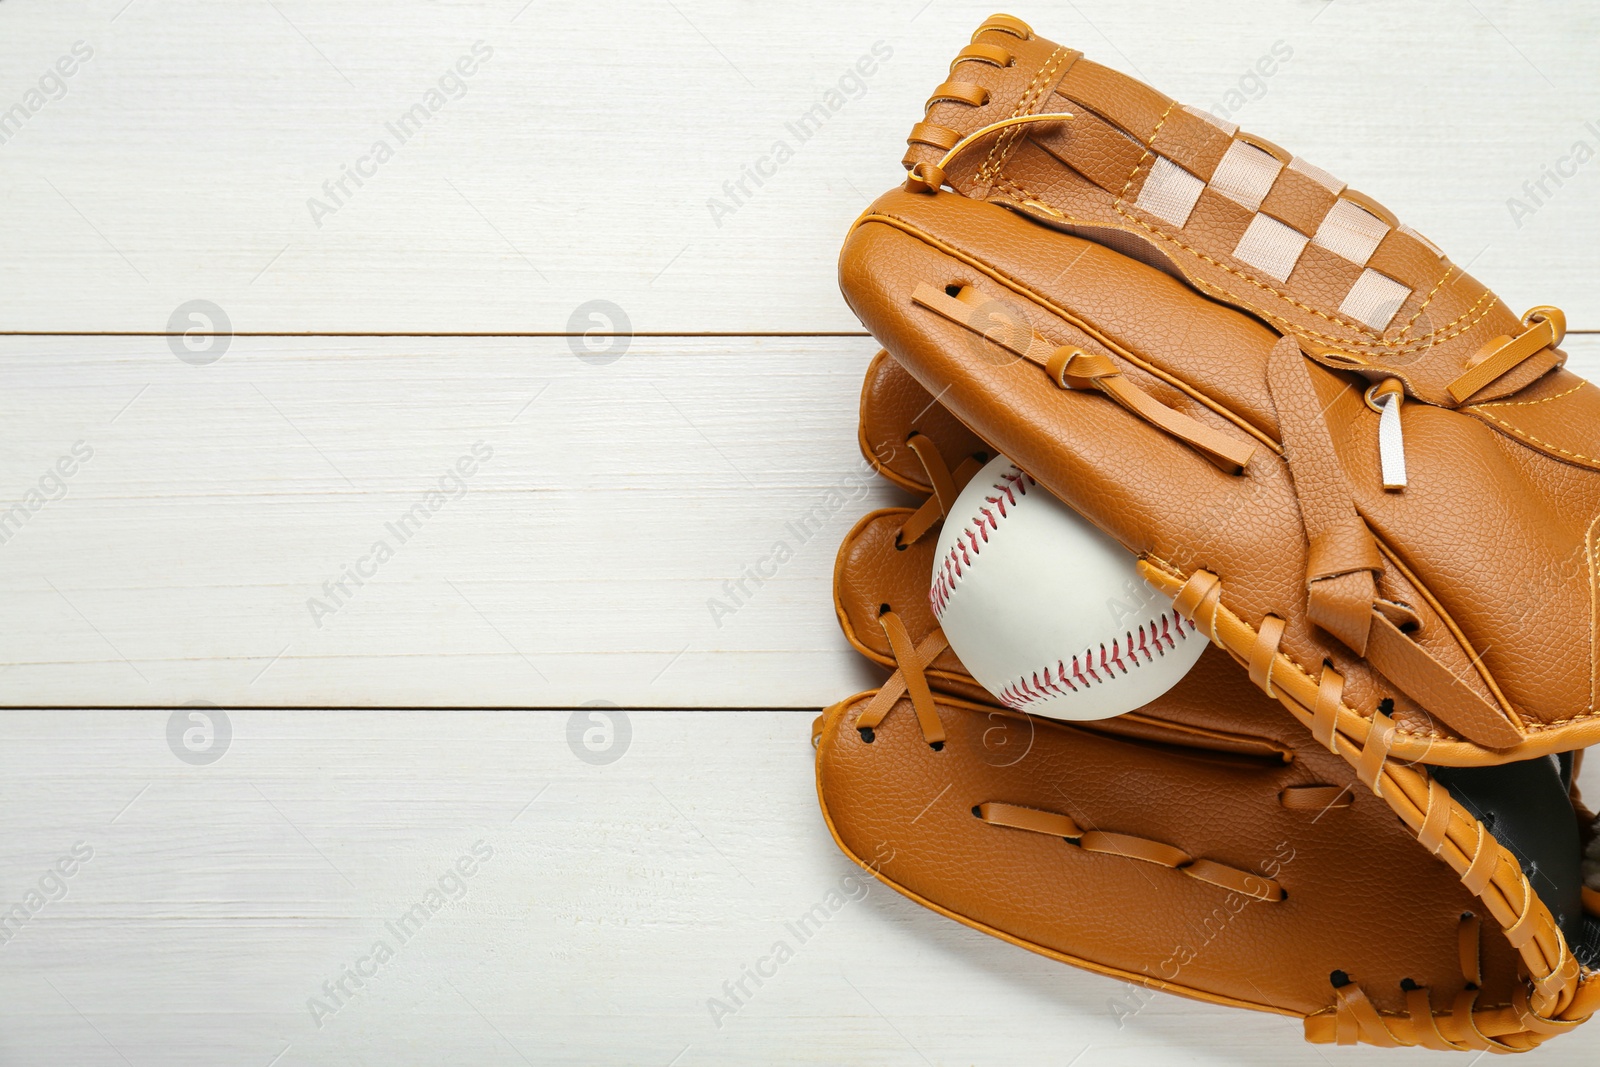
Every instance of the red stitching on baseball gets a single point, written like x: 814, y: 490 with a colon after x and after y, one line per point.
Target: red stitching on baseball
x: 969, y: 542
x: 1061, y: 679
x: 1019, y: 695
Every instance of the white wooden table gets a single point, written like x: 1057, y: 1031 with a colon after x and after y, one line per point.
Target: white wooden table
x: 260, y: 364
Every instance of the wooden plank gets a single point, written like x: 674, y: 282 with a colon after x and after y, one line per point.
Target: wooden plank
x: 613, y: 904
x: 585, y: 559
x: 581, y: 159
x: 204, y: 550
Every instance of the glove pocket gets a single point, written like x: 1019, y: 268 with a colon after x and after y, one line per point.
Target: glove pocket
x: 1237, y: 880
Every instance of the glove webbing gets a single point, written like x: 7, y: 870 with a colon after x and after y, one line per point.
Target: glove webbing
x: 1562, y: 995
x: 1121, y: 127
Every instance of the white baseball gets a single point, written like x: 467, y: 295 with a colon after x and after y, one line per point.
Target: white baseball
x: 1047, y: 612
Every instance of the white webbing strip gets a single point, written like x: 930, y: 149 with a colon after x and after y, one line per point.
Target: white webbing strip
x: 1391, y: 443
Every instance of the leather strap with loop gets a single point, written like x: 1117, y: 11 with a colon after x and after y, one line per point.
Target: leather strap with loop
x: 1198, y: 601
x: 1325, y: 711
x: 934, y: 136
x: 1380, y: 738
x: 1004, y: 24
x: 1343, y: 558
x: 1265, y: 653
x: 1437, y: 820
x: 1546, y: 328
x: 1106, y: 843
x: 962, y: 93
x: 1071, y: 367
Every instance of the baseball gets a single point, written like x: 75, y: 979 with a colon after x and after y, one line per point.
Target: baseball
x: 1047, y: 612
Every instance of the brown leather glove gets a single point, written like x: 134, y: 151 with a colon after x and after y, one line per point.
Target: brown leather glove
x: 1222, y: 356
x: 1204, y: 844
x: 1352, y: 467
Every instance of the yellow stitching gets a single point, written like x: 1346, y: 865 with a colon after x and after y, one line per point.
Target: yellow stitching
x: 1002, y: 146
x: 1396, y: 347
x: 1122, y: 198
x: 1538, y: 441
x: 1036, y: 93
x: 1014, y: 189
x: 1383, y: 347
x: 1148, y: 152
x: 1345, y: 345
x: 1541, y: 727
x: 1526, y: 403
x: 1412, y: 321
x: 1161, y: 122
x: 1407, y: 731
x: 985, y: 171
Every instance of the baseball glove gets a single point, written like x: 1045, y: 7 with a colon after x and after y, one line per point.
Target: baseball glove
x: 1349, y: 464
x: 1204, y: 844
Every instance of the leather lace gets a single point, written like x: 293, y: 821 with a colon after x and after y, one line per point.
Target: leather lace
x: 1246, y: 884
x: 1556, y: 997
x: 1071, y: 367
x: 912, y: 660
